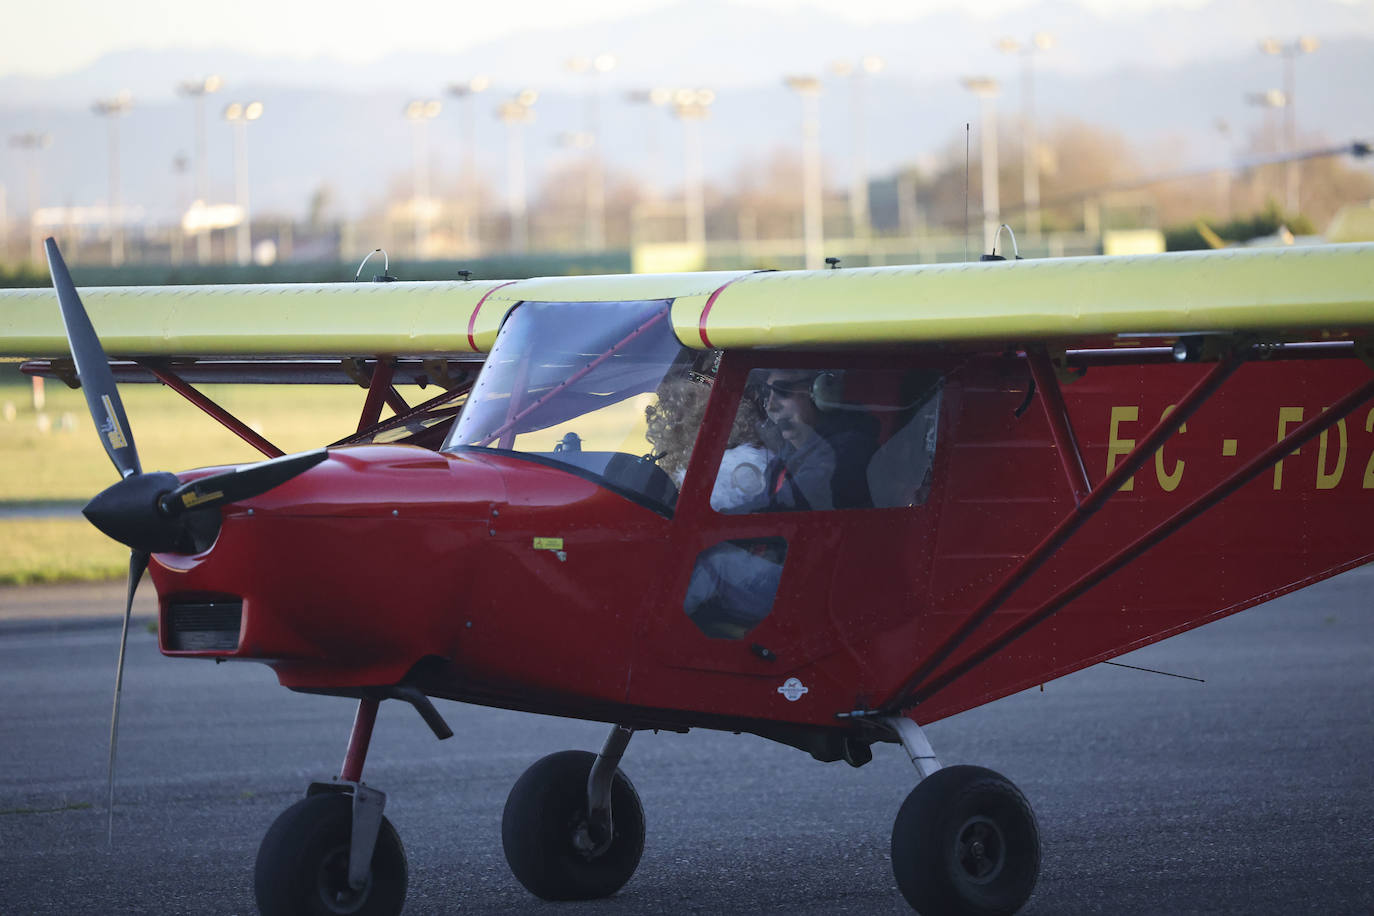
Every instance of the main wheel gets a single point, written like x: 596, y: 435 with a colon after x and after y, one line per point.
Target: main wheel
x: 546, y: 811
x: 965, y: 842
x: 302, y: 865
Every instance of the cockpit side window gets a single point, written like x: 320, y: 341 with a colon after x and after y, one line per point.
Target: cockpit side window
x: 824, y: 438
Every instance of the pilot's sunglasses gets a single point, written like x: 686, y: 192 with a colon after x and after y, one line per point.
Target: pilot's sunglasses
x: 784, y: 389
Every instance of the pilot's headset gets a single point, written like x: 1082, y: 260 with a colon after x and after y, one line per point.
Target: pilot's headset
x: 827, y: 390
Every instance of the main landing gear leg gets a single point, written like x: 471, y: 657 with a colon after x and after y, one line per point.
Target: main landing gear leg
x: 965, y: 840
x: 561, y: 840
x: 594, y: 837
x: 333, y: 851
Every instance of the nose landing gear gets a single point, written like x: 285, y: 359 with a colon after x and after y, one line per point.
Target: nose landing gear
x: 333, y: 852
x: 303, y: 863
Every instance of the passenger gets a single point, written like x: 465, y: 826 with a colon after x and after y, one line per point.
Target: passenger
x: 823, y: 452
x: 673, y: 422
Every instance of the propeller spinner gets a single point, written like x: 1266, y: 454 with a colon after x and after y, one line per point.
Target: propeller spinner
x: 153, y: 512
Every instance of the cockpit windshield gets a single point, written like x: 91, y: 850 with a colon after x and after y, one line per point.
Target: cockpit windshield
x: 585, y: 385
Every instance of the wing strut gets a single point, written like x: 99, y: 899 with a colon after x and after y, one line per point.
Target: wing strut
x: 378, y: 390
x: 216, y: 412
x: 1057, y: 414
x: 1085, y: 509
x: 918, y: 693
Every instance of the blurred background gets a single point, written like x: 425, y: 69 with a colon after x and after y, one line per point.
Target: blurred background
x: 165, y: 143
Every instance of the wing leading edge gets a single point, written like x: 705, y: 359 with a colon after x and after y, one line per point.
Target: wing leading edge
x: 1324, y: 292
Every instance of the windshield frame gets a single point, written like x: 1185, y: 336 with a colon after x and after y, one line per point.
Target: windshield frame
x: 554, y: 363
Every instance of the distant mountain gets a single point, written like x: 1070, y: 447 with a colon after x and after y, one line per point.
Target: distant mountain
x: 1162, y: 80
x: 728, y: 44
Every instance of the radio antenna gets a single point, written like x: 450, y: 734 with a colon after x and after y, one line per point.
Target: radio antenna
x: 1155, y: 671
x: 966, y: 147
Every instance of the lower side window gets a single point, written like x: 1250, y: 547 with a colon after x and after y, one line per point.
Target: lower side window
x: 733, y: 585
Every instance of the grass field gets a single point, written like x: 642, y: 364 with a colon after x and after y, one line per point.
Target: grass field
x: 57, y: 550
x: 52, y: 455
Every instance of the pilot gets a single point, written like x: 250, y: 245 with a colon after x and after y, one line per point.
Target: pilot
x: 822, y: 450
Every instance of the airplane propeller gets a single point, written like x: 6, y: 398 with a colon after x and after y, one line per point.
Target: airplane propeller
x: 149, y: 512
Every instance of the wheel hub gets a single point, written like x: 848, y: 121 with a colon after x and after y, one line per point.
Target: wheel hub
x: 980, y: 850
x: 333, y: 887
x: 589, y: 842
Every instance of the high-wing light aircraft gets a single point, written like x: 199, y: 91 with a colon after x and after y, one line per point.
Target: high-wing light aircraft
x: 826, y: 508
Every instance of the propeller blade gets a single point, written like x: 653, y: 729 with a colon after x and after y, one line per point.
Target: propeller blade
x: 240, y: 483
x: 138, y: 564
x: 93, y: 369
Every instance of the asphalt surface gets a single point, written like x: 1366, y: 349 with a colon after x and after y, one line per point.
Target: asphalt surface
x: 1249, y: 794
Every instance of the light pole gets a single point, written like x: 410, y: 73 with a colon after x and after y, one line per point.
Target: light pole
x: 197, y: 90
x: 596, y: 179
x: 652, y: 99
x: 1289, y: 52
x: 858, y: 188
x: 986, y: 89
x: 419, y: 112
x: 114, y: 108
x: 692, y: 106
x: 31, y: 143
x: 1270, y: 100
x: 180, y: 166
x: 1030, y: 151
x: 515, y: 113
x: 238, y: 114
x: 466, y: 93
x: 809, y: 89
x: 1224, y: 177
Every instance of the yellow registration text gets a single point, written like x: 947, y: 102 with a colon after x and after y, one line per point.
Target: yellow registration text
x: 1325, y: 473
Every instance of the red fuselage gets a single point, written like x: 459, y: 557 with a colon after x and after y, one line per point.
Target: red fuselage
x: 529, y: 586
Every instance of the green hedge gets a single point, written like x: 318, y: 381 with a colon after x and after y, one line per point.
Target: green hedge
x: 512, y: 267
x: 1242, y: 229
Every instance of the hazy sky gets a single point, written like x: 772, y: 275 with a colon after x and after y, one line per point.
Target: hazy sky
x: 72, y: 33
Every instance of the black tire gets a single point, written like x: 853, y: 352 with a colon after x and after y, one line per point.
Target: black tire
x: 965, y: 842
x: 302, y: 865
x: 546, y: 806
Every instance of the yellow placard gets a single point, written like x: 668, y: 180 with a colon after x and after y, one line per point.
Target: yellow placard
x: 548, y: 543
x: 191, y: 499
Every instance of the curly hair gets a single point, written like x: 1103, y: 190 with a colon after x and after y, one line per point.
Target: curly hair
x: 674, y: 419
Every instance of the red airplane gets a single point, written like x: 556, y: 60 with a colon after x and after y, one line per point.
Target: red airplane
x: 826, y: 508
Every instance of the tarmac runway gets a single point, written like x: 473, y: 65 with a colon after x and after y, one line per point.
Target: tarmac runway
x: 1249, y: 794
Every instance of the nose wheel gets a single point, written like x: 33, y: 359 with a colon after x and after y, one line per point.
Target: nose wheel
x: 303, y: 864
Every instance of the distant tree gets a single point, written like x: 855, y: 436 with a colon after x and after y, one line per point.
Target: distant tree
x: 1076, y: 160
x: 321, y: 206
x: 1330, y: 183
x: 767, y: 195
x: 1083, y: 166
x: 22, y: 275
x: 558, y: 209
